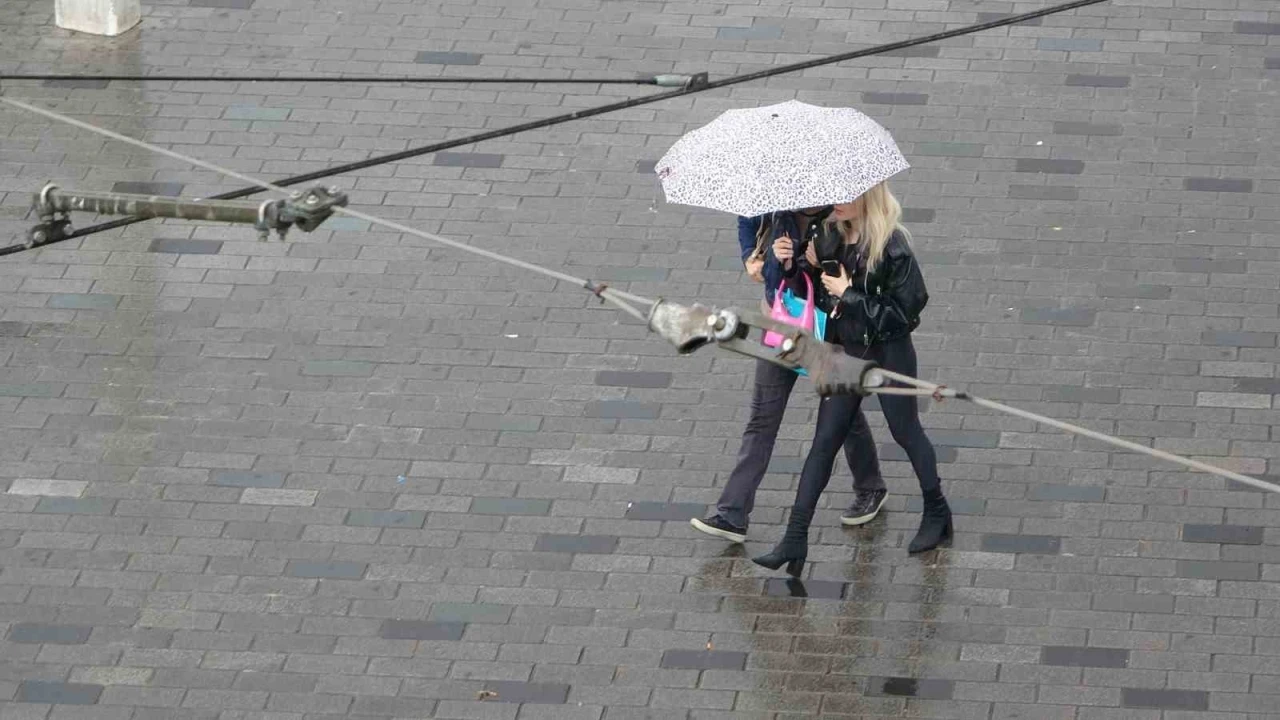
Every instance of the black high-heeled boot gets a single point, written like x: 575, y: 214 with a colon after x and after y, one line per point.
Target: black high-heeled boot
x: 935, y: 523
x: 794, y: 547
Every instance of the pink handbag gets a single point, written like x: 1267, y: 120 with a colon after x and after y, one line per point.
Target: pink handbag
x: 779, y: 313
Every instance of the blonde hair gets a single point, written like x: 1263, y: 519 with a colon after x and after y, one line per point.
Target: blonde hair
x: 879, y: 215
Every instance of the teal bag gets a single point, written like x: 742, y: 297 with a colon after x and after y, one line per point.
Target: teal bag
x: 795, y: 308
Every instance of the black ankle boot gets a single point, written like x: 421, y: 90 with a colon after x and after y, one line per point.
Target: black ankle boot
x: 935, y: 523
x: 794, y: 547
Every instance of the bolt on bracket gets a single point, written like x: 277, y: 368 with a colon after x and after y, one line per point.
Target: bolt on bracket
x: 307, y: 210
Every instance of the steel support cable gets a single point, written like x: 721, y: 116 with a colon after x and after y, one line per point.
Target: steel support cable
x: 873, y: 381
x: 362, y: 79
x: 602, y: 109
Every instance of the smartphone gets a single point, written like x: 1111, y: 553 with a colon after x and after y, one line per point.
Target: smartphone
x: 831, y: 267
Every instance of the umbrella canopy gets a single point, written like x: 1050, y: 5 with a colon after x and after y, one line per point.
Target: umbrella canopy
x: 779, y: 157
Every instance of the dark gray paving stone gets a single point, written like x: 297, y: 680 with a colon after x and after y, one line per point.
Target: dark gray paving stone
x: 1238, y: 339
x: 1218, y: 570
x: 1257, y: 28
x: 1102, y: 81
x: 526, y: 692
x: 458, y: 612
x: 509, y: 506
x: 1084, y: 128
x: 58, y: 693
x: 246, y: 479
x: 315, y: 569
x: 923, y: 689
x: 757, y: 32
x: 40, y: 390
x: 1225, y: 534
x: 1069, y: 44
x: 427, y: 57
x: 75, y: 301
x: 1031, y: 544
x: 421, y: 630
x: 1043, y: 192
x: 338, y: 368
x: 1066, y: 317
x: 620, y: 378
x: 75, y: 506
x: 958, y: 505
x: 466, y: 159
x: 1163, y: 699
x: 986, y: 17
x: 385, y: 518
x: 665, y: 511
x: 704, y: 659
x: 892, y: 98
x: 222, y: 4
x: 79, y: 84
x: 1053, y: 492
x: 181, y: 246
x: 10, y: 328
x: 792, y: 587
x: 1199, y: 265
x: 950, y: 149
x: 1142, y: 292
x: 619, y: 409
x: 582, y: 544
x: 1070, y: 656
x: 164, y: 189
x: 1048, y: 166
x: 1262, y: 386
x: 646, y: 166
x: 1219, y: 185
x: 786, y: 464
x: 919, y: 215
x: 1272, y: 63
x: 39, y: 633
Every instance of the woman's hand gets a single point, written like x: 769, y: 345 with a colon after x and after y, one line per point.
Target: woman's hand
x: 811, y: 254
x: 754, y: 266
x: 784, y: 251
x: 837, y: 285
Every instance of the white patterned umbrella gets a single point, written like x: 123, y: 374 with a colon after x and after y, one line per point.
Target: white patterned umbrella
x: 779, y: 157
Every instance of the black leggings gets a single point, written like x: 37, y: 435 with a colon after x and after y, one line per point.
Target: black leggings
x: 836, y: 414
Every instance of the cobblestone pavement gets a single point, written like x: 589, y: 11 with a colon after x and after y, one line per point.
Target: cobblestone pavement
x: 355, y: 476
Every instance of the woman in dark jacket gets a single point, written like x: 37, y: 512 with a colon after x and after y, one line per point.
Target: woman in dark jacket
x: 869, y: 283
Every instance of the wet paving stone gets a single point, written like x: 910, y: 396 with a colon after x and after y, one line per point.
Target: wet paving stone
x: 924, y: 689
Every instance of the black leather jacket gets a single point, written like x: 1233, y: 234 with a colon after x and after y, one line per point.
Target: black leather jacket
x: 879, y: 306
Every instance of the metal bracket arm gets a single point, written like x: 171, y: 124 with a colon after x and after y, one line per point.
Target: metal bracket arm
x: 833, y: 371
x: 306, y: 210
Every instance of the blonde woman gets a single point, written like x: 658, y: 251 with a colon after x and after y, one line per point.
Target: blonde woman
x: 869, y: 282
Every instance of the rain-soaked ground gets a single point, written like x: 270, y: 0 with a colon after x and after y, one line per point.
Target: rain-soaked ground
x: 357, y: 476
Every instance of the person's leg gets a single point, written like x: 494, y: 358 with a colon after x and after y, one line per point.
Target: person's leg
x: 903, y: 416
x: 773, y: 385
x: 864, y: 462
x: 860, y: 451
x: 835, y: 415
